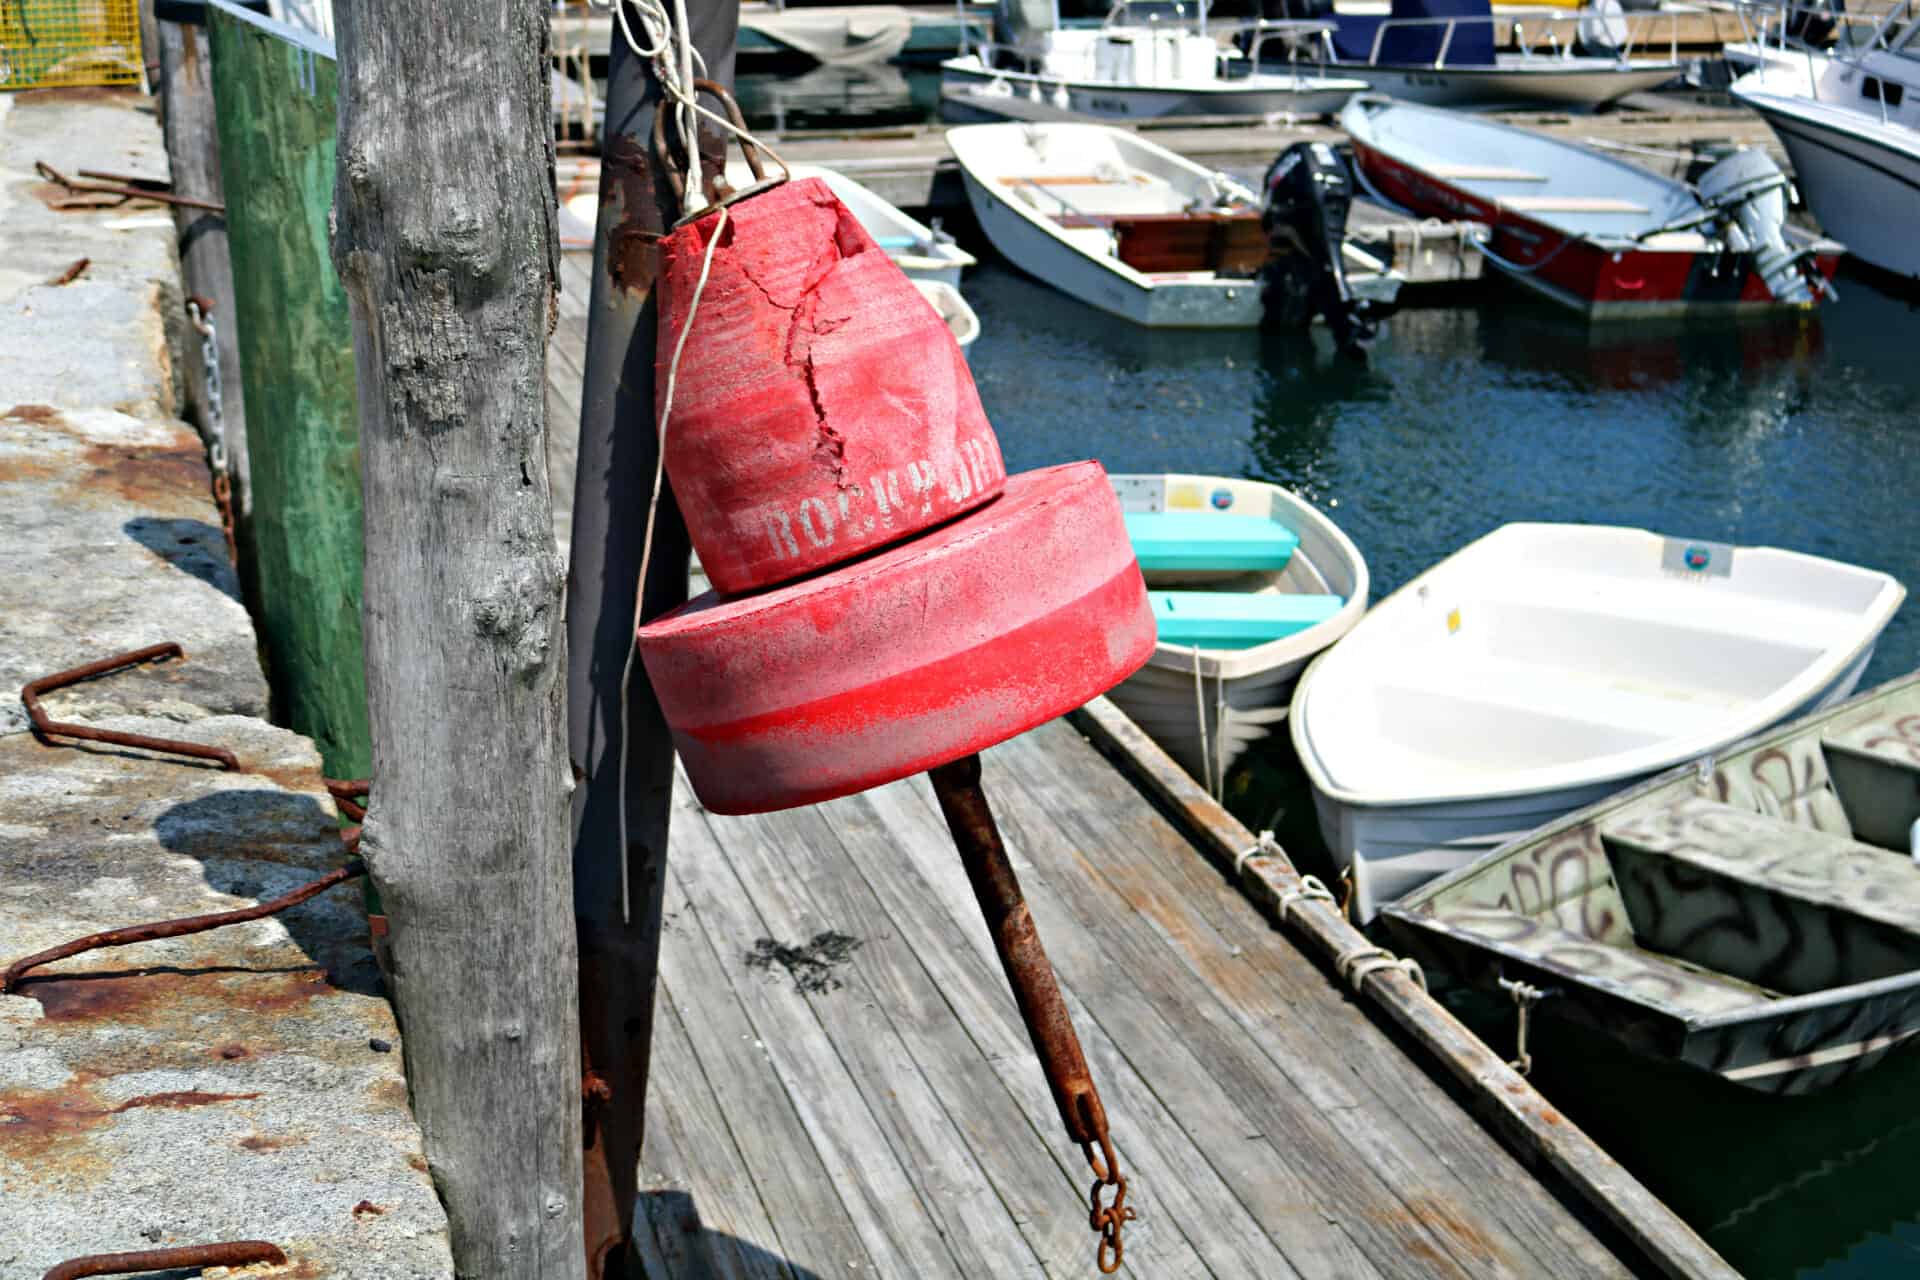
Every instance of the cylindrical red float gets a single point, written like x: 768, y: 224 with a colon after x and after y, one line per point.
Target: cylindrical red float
x: 822, y: 408
x: 941, y: 646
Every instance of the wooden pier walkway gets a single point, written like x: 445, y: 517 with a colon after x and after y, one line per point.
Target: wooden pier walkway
x: 893, y: 1121
x: 897, y: 1123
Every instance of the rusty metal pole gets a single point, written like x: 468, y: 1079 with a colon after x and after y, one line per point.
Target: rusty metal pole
x: 619, y: 916
x: 997, y: 888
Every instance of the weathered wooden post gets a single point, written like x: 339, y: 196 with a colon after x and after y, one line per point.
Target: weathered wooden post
x: 618, y: 892
x: 446, y: 240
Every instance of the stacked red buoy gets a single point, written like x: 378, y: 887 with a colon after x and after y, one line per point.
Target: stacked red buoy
x: 881, y: 606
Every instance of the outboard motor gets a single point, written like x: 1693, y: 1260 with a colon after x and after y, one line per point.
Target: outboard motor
x: 1748, y: 195
x: 1309, y: 191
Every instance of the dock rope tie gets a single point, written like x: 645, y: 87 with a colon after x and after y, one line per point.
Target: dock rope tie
x: 1312, y: 889
x: 1355, y: 965
x: 1525, y: 996
x: 1263, y: 847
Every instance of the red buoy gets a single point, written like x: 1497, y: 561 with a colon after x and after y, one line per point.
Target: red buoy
x: 822, y: 408
x: 930, y: 650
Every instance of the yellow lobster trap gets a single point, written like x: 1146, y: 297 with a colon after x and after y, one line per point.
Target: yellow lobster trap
x: 48, y: 43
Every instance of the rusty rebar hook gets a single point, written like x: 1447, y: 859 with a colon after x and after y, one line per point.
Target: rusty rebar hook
x: 1036, y: 991
x: 47, y: 727
x: 236, y: 1253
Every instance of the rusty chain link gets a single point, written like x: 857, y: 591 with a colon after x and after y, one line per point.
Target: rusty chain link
x: 1106, y: 1219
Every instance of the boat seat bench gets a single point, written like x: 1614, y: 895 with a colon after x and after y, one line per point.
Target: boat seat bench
x: 1482, y: 173
x: 1684, y: 989
x: 1874, y: 772
x: 1237, y: 619
x: 1200, y: 540
x: 1746, y: 894
x: 1570, y: 204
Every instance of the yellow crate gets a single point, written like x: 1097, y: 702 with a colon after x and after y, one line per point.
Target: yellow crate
x: 44, y: 43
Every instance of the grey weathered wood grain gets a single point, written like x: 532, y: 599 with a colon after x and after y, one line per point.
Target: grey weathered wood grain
x: 860, y: 1021
x: 1186, y: 1195
x: 1506, y: 1099
x: 895, y: 1221
x: 705, y: 1180
x: 1281, y: 1002
x: 445, y: 242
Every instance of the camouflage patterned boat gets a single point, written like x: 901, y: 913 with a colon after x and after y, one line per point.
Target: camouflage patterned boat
x: 1755, y: 915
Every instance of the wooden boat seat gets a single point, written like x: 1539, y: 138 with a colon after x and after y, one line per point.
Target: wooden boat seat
x: 1227, y: 242
x: 1766, y: 901
x: 1482, y: 173
x: 1237, y: 619
x: 1202, y: 540
x: 1633, y: 971
x: 1874, y: 769
x: 1571, y: 204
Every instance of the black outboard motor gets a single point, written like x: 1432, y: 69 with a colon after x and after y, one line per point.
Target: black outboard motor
x: 1309, y: 191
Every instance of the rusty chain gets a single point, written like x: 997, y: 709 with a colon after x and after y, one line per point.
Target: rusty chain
x: 1107, y: 1219
x: 200, y: 316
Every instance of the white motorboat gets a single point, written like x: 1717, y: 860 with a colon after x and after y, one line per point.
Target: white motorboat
x: 1248, y: 583
x: 1128, y: 69
x: 1442, y: 53
x: 953, y: 308
x: 1124, y: 225
x: 1852, y: 128
x: 1547, y: 666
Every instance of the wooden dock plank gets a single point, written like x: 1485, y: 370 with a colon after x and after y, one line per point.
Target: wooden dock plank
x: 813, y: 1226
x: 895, y: 1224
x: 959, y: 956
x: 1267, y: 990
x: 1153, y: 1089
x: 978, y: 1228
x: 702, y: 1219
x: 930, y: 1001
x: 1405, y: 1170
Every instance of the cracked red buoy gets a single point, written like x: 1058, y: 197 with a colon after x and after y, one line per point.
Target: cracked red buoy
x: 822, y: 408
x: 926, y: 652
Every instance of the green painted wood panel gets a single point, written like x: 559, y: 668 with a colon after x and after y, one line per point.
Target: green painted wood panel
x: 275, y: 92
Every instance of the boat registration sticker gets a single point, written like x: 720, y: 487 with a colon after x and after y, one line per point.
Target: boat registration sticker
x: 1696, y: 559
x: 1453, y: 621
x: 1222, y: 499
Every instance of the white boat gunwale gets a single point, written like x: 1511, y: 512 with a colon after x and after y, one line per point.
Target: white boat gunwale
x: 1589, y: 771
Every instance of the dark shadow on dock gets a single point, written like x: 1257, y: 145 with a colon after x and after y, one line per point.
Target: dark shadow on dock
x: 233, y: 833
x: 687, y: 1249
x: 194, y: 547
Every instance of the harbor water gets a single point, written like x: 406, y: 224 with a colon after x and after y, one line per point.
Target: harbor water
x: 1797, y: 432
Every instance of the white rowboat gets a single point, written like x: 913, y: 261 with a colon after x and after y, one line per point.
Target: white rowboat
x: 1545, y: 667
x: 1302, y: 582
x: 1121, y: 224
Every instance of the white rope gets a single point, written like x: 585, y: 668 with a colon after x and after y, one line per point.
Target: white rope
x: 1262, y: 847
x: 1524, y: 995
x: 646, y: 548
x: 1312, y: 889
x: 1200, y: 723
x: 676, y: 65
x: 1355, y: 965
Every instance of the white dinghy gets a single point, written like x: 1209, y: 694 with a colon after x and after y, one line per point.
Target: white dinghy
x: 1547, y: 666
x: 1248, y: 583
x: 1121, y: 224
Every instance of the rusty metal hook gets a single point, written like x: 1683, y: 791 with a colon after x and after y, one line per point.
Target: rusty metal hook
x: 237, y: 1253
x: 676, y: 173
x: 47, y: 727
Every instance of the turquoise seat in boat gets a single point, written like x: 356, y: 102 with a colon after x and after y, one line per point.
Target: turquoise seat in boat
x: 1235, y: 619
x: 1200, y: 540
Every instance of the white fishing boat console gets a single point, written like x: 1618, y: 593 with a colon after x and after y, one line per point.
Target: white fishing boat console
x: 1850, y: 120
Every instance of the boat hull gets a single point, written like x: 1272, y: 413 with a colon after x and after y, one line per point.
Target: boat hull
x: 1487, y: 86
x: 1197, y: 304
x: 1864, y: 191
x: 1028, y: 96
x: 1600, y: 279
x: 1394, y: 849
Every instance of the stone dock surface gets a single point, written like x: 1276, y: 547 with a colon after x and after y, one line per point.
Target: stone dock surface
x: 244, y: 1083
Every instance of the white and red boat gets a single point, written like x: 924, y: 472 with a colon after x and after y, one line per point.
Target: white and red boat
x: 1591, y: 231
